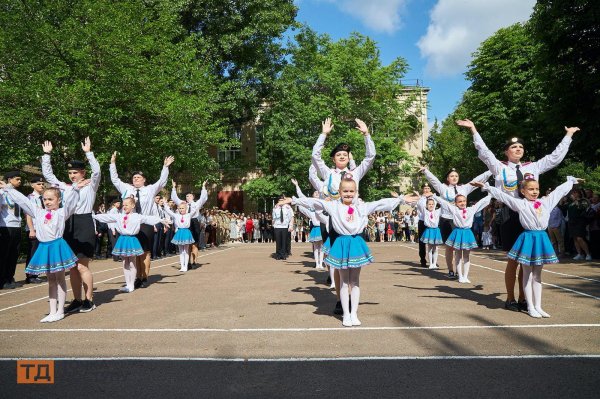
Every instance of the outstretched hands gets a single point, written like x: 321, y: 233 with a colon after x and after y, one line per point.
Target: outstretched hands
x: 86, y: 146
x: 326, y: 126
x: 477, y: 184
x: 204, y: 184
x: 579, y: 181
x: 47, y: 147
x: 169, y: 160
x: 362, y: 127
x: 113, y: 159
x: 173, y: 183
x: 467, y: 123
x: 571, y: 130
x: 295, y: 182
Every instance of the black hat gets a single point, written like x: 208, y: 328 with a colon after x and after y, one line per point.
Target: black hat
x: 36, y: 179
x: 511, y: 141
x: 116, y: 200
x: 338, y: 148
x: 75, y: 164
x: 138, y: 172
x: 425, y: 185
x: 11, y: 174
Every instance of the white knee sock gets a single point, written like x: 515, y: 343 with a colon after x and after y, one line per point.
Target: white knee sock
x: 130, y: 270
x: 537, y: 290
x: 434, y: 252
x: 317, y: 256
x: 52, y: 292
x: 355, y: 293
x: 332, y: 275
x: 61, y: 292
x: 458, y: 263
x: 184, y: 257
x: 466, y: 263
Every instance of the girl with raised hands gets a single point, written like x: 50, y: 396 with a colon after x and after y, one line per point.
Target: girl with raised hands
x: 314, y: 236
x: 449, y: 190
x: 349, y: 252
x: 431, y: 237
x: 53, y: 255
x: 127, y: 224
x: 462, y: 239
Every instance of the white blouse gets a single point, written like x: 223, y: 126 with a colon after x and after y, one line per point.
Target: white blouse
x: 533, y: 215
x: 340, y: 218
x: 332, y: 177
x: 449, y: 192
x: 505, y: 173
x: 429, y: 218
x: 127, y: 224
x: 49, y: 225
x: 463, y: 218
x: 87, y: 195
x: 179, y: 220
x: 199, y: 203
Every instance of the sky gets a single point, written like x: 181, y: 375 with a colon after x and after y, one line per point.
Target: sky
x: 435, y: 37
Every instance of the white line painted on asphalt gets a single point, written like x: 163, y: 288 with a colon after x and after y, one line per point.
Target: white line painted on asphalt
x: 104, y: 281
x: 309, y: 359
x: 545, y: 270
x: 287, y: 330
x: 96, y: 272
x: 502, y: 271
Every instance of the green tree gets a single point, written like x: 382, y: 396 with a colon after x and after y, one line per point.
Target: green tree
x: 568, y: 34
x: 124, y: 73
x: 343, y: 80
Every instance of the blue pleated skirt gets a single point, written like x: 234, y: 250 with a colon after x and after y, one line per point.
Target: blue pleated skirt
x: 183, y: 236
x: 432, y: 235
x: 349, y: 252
x: 127, y: 246
x: 461, y: 238
x: 326, y: 246
x: 315, y: 234
x: 51, y: 257
x: 533, y: 248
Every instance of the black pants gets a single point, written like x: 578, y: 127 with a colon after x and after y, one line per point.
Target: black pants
x: 422, y: 244
x: 169, y: 248
x: 281, y: 243
x: 10, y: 240
x: 159, y: 236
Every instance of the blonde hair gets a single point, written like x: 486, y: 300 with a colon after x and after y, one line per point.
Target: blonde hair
x: 55, y: 190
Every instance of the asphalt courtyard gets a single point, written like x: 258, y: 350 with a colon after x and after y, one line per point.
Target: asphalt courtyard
x: 242, y: 307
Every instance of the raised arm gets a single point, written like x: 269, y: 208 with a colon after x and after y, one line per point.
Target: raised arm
x: 370, y: 153
x: 484, y: 153
x: 47, y: 167
x: 510, y: 201
x: 203, y: 197
x: 169, y: 211
x: 114, y: 176
x: 174, y: 195
x: 313, y: 177
x: 482, y: 178
x: 386, y: 204
x: 151, y: 220
x: 447, y: 206
x: 556, y: 157
x: 434, y: 181
x: 560, y: 191
x: 317, y: 160
x: 315, y: 203
x: 19, y: 199
x: 164, y: 176
x: 298, y: 190
x: 106, y: 217
x: 482, y: 203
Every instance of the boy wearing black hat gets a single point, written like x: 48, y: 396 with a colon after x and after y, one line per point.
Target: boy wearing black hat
x: 10, y: 233
x: 37, y: 184
x: 508, y: 175
x: 80, y: 232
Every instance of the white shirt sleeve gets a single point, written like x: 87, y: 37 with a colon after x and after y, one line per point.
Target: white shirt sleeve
x: 366, y: 163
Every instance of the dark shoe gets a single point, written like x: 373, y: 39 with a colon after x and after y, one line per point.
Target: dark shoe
x: 74, y: 306
x: 522, y: 306
x: 34, y: 280
x: 451, y: 275
x: 338, y: 308
x: 87, y: 306
x: 328, y: 282
x: 144, y: 283
x: 137, y: 283
x: 511, y: 305
x: 423, y: 264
